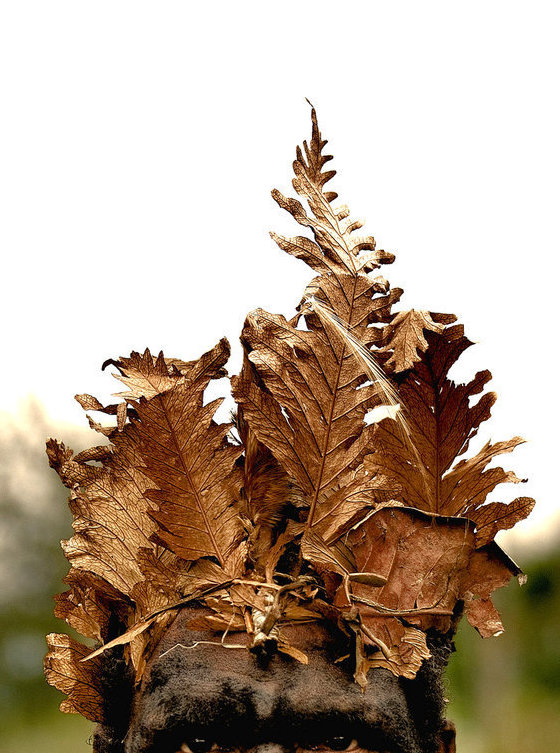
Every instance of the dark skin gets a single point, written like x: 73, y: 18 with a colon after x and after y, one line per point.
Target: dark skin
x: 203, y: 698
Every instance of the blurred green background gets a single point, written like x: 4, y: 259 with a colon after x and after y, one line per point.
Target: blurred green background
x: 504, y: 693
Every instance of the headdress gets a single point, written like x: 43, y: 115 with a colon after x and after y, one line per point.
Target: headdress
x: 342, y: 492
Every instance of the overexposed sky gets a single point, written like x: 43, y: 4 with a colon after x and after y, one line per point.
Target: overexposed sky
x: 139, y: 143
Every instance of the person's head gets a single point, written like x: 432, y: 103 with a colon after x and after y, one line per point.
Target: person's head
x: 338, y: 522
x: 206, y: 696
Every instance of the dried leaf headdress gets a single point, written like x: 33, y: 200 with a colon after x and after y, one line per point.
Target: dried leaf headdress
x: 338, y: 495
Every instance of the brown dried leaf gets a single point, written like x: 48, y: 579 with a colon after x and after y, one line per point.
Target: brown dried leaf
x: 86, y: 618
x: 484, y: 616
x: 266, y: 486
x: 186, y: 455
x: 99, y: 453
x: 267, y: 491
x: 309, y: 401
x: 468, y: 477
x: 292, y: 651
x: 111, y: 520
x: 107, y: 431
x: 147, y: 376
x: 144, y: 375
x: 406, y: 338
x: 423, y: 559
x: 276, y: 551
x: 117, y: 567
x: 218, y: 623
x: 430, y: 564
x: 142, y: 646
x: 442, y: 419
x: 337, y: 557
x: 488, y: 570
x: 497, y: 516
x: 312, y: 416
x: 404, y: 648
x: 137, y: 629
x: 81, y: 683
x: 89, y: 402
x: 89, y: 603
x: 336, y: 247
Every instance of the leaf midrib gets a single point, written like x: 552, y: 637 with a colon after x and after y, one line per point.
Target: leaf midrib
x: 172, y: 434
x: 313, y: 506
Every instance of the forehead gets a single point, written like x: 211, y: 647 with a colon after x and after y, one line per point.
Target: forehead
x: 227, y: 695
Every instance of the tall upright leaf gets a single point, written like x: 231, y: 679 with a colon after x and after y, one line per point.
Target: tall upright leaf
x: 315, y: 394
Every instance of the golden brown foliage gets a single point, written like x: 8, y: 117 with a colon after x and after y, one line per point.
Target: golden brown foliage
x: 81, y: 682
x: 442, y: 419
x: 319, y: 511
x: 165, y: 449
x: 309, y: 401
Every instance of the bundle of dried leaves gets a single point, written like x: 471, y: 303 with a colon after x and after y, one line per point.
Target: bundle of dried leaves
x: 314, y: 511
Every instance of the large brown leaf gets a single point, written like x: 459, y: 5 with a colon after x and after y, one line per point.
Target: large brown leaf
x: 187, y: 456
x: 442, y: 418
x: 309, y: 404
x: 111, y: 520
x: 430, y: 563
x: 80, y: 681
x: 119, y: 566
x: 423, y: 559
x: 311, y: 417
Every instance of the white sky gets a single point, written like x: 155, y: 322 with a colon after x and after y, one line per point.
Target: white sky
x: 139, y: 143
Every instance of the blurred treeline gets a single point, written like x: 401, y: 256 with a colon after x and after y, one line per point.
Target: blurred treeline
x: 34, y: 517
x: 504, y: 693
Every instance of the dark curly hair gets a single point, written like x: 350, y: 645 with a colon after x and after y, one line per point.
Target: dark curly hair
x: 424, y: 698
